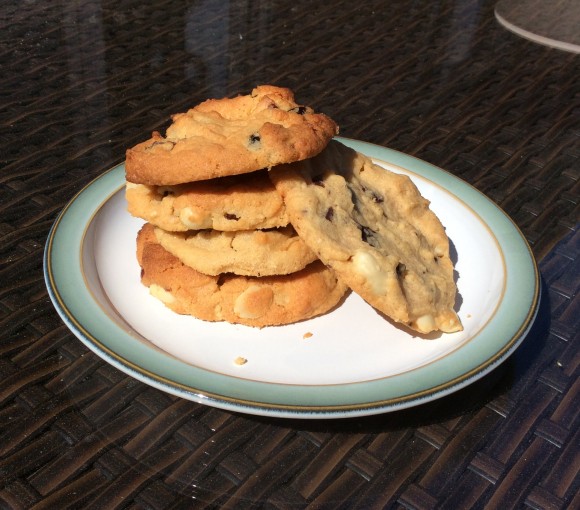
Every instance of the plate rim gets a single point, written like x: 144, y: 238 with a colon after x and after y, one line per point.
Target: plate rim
x: 294, y: 409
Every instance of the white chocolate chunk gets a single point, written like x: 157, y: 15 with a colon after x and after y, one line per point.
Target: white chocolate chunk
x: 449, y: 322
x: 366, y: 265
x: 186, y: 216
x: 426, y: 323
x: 253, y: 302
x: 161, y: 294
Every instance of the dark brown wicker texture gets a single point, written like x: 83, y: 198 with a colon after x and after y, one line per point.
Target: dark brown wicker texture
x: 81, y: 81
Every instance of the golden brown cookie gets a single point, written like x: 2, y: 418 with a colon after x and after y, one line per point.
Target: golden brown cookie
x: 244, y: 252
x: 230, y: 136
x: 267, y: 301
x: 241, y: 202
x: 376, y: 231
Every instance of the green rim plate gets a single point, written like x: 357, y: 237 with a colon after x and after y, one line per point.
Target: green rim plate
x: 72, y: 279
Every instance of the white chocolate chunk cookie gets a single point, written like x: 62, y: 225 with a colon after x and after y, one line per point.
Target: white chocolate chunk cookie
x: 230, y: 136
x: 245, y: 252
x: 376, y: 231
x: 241, y: 202
x: 259, y: 302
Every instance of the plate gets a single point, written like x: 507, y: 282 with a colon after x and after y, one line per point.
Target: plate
x: 349, y: 362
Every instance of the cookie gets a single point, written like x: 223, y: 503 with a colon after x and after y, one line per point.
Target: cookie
x: 259, y: 302
x: 230, y: 136
x: 242, y: 202
x: 377, y: 232
x: 244, y: 252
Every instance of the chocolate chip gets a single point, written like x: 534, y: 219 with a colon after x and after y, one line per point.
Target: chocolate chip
x: 368, y: 235
x: 375, y: 197
x: 329, y: 214
x: 401, y: 269
x: 254, y: 138
x: 318, y: 180
x: 229, y: 216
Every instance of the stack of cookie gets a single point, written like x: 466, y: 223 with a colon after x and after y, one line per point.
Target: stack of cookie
x: 218, y: 243
x: 256, y: 216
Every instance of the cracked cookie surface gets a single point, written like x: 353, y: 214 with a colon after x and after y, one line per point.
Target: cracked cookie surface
x: 252, y: 301
x: 244, y: 252
x: 241, y: 202
x: 377, y: 232
x: 230, y: 136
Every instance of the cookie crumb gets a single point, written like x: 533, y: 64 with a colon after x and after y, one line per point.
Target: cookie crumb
x: 240, y: 361
x: 307, y: 335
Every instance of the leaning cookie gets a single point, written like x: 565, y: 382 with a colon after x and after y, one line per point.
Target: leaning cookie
x: 231, y: 136
x: 245, y: 252
x: 241, y: 202
x: 377, y: 232
x: 258, y: 302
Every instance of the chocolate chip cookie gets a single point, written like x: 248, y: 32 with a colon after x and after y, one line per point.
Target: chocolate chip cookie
x: 373, y: 227
x: 241, y: 202
x: 230, y: 136
x: 244, y: 252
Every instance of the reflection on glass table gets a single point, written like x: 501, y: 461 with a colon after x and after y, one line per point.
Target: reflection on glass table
x: 555, y: 23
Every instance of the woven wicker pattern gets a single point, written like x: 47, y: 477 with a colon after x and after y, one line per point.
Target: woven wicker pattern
x: 81, y: 81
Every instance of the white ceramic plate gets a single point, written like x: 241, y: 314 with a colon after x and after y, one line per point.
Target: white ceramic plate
x: 350, y: 362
